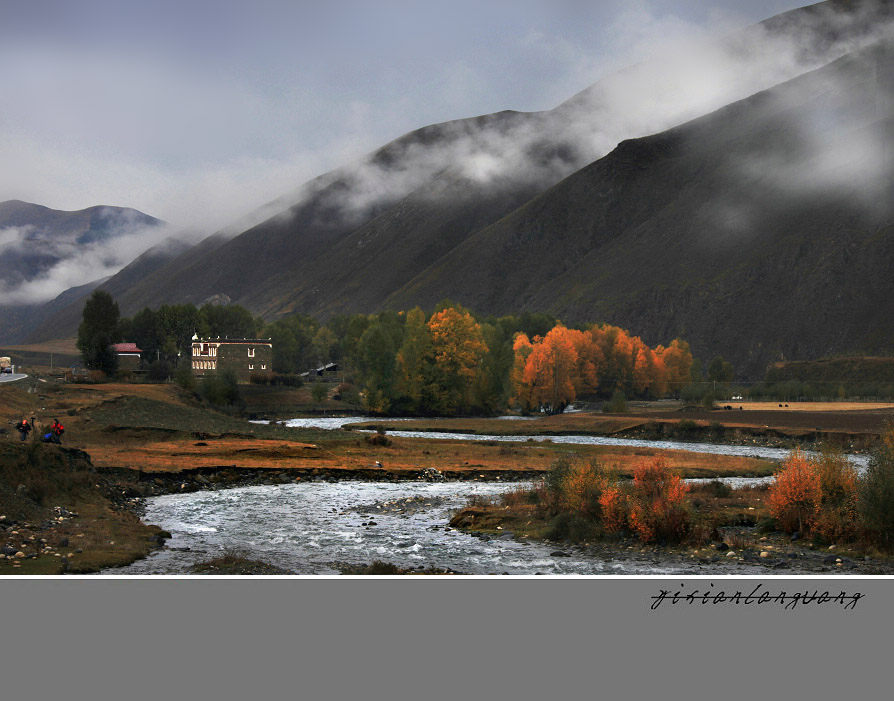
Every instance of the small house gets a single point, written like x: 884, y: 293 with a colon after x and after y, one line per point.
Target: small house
x: 244, y: 356
x: 128, y: 356
x: 331, y: 372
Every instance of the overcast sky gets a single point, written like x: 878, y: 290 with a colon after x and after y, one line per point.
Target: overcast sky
x: 197, y: 111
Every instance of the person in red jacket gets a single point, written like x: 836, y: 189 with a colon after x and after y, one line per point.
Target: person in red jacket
x: 57, y: 430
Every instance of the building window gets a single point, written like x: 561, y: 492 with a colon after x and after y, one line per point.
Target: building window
x: 263, y: 366
x: 251, y: 367
x: 251, y: 352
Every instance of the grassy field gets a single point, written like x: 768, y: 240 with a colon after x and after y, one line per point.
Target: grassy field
x: 163, y: 428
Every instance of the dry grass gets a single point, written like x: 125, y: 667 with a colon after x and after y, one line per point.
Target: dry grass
x: 810, y: 406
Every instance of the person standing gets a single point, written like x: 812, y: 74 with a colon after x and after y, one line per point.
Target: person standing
x: 57, y: 430
x: 24, y: 428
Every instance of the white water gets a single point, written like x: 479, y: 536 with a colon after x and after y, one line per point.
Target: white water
x: 308, y: 528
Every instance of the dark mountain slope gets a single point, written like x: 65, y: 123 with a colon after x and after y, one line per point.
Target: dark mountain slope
x: 753, y: 231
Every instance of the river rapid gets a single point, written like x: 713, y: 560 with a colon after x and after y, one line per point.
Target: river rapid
x: 311, y: 528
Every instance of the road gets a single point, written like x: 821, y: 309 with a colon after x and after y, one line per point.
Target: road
x: 4, y: 377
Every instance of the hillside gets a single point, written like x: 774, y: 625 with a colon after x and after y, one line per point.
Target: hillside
x: 692, y: 231
x: 761, y: 231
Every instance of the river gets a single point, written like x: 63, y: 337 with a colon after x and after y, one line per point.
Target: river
x: 755, y: 451
x: 310, y: 528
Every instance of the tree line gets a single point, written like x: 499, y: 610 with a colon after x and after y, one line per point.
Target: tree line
x: 444, y: 362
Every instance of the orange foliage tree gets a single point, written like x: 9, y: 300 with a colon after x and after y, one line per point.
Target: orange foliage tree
x: 566, y: 363
x: 677, y: 358
x: 658, y: 508
x: 521, y: 391
x: 550, y: 370
x: 794, y: 496
x: 457, y: 346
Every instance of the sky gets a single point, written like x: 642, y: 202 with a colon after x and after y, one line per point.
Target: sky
x: 197, y: 112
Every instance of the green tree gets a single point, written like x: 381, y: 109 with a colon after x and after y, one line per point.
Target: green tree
x: 98, y: 331
x: 720, y: 370
x: 376, y: 353
x: 319, y: 392
x: 414, y: 360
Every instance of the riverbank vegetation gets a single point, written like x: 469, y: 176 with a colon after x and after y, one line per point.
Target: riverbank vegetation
x: 820, y: 498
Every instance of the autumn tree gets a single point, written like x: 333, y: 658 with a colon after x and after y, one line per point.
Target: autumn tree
x: 457, y: 348
x: 521, y: 391
x: 550, y: 370
x: 677, y: 359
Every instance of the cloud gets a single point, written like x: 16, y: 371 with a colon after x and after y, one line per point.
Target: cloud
x: 72, y: 263
x: 698, y: 70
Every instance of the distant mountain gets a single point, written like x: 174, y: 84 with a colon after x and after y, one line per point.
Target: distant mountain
x: 43, y: 251
x: 689, y: 231
x: 60, y: 317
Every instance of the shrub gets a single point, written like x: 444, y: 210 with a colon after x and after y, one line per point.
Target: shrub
x: 876, y: 493
x: 837, y: 513
x: 613, y: 506
x: 559, y: 528
x: 686, y: 426
x: 617, y: 404
x: 185, y: 378
x: 795, y: 495
x: 581, y: 487
x: 378, y: 439
x: 159, y: 371
x: 259, y: 378
x: 552, y: 483
x: 658, y: 508
x: 718, y: 489
x: 346, y: 392
x: 221, y: 389
x: 286, y: 380
x: 319, y: 391
x: 96, y: 377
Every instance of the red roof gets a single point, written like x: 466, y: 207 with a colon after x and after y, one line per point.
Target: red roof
x: 125, y: 348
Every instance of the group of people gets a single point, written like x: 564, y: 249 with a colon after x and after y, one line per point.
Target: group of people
x: 24, y: 427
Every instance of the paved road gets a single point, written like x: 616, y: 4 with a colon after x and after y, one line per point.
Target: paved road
x: 12, y: 378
